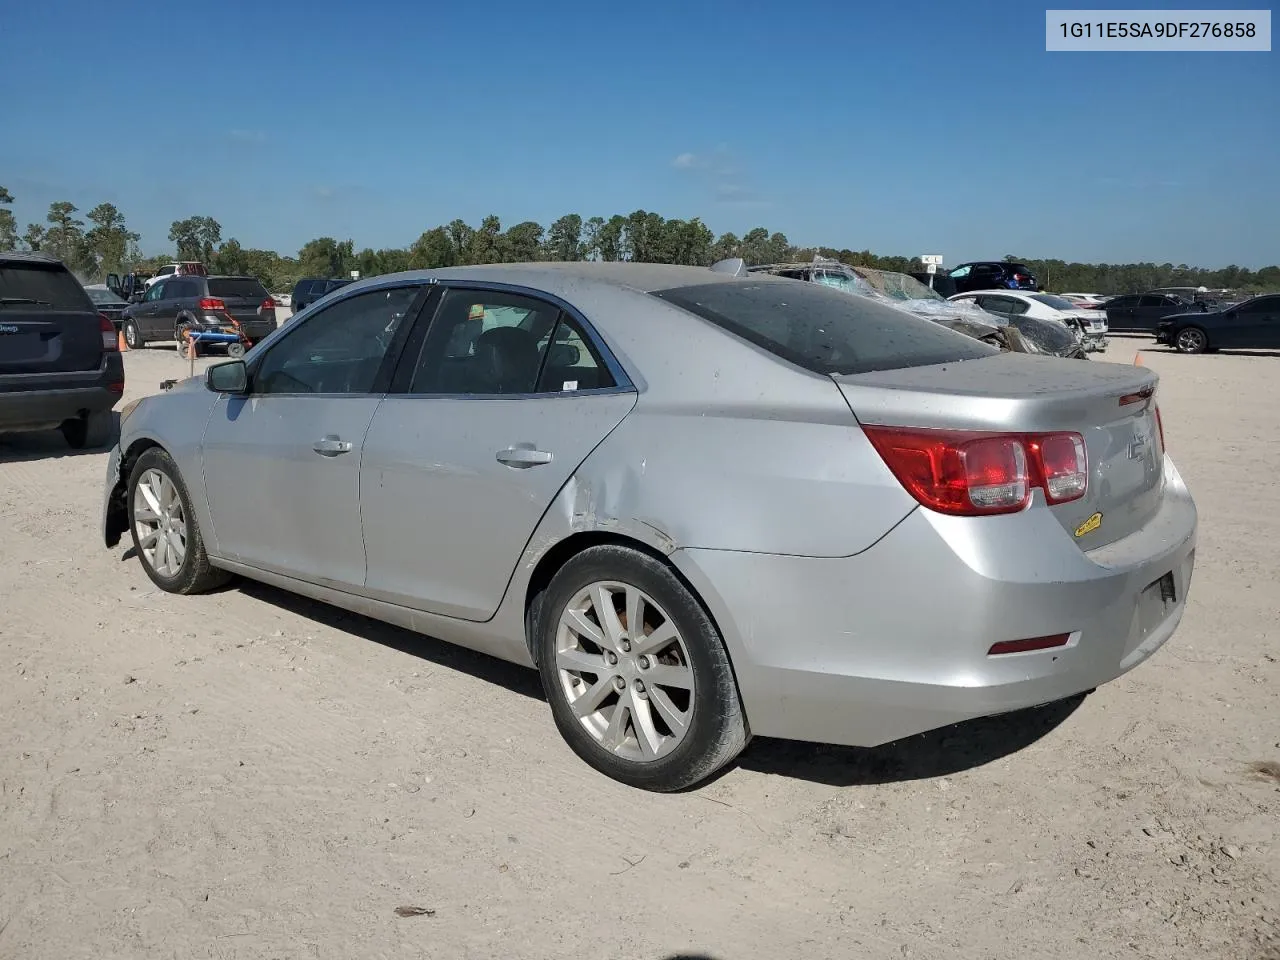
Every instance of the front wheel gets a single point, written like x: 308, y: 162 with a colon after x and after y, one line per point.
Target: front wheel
x: 165, y: 531
x: 638, y: 678
x: 1192, y: 340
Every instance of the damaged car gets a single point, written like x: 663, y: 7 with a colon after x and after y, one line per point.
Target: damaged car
x: 700, y: 502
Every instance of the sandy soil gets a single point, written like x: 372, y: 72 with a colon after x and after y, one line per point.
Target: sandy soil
x: 250, y: 774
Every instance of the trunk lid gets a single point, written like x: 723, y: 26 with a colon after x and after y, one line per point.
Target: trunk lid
x: 1025, y: 393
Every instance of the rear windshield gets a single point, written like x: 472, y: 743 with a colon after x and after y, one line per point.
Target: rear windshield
x: 822, y: 329
x: 102, y: 297
x: 1049, y: 300
x: 334, y: 285
x: 1049, y: 335
x: 232, y: 287
x: 49, y: 285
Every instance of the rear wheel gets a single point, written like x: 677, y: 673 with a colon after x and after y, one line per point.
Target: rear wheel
x: 1192, y: 340
x: 636, y: 673
x: 91, y: 432
x: 235, y: 350
x: 132, y: 337
x: 164, y: 528
x: 181, y: 333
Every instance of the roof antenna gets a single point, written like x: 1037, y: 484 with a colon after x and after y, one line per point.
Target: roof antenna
x: 735, y: 267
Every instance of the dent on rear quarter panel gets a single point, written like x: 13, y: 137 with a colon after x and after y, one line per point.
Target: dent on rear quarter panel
x: 736, y: 479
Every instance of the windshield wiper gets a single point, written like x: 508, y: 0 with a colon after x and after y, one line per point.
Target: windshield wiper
x: 42, y: 303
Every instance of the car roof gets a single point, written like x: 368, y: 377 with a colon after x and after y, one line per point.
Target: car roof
x: 565, y: 278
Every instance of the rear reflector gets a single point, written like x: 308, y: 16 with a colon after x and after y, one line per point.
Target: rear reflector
x: 110, y: 339
x: 1026, y: 646
x: 975, y: 474
x: 116, y: 387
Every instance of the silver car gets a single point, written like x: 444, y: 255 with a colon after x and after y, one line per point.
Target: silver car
x: 704, y: 505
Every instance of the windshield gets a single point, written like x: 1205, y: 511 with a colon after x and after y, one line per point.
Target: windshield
x: 1058, y: 303
x: 899, y: 286
x: 103, y: 298
x: 824, y: 330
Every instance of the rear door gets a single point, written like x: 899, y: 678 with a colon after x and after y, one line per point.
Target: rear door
x: 243, y: 296
x: 48, y: 324
x: 1122, y: 312
x: 1152, y: 307
x: 486, y: 422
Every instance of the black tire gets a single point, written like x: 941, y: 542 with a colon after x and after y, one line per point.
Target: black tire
x: 235, y: 350
x: 1191, y: 340
x: 179, y: 331
x: 196, y: 574
x: 133, y: 336
x: 93, y: 432
x: 717, y: 730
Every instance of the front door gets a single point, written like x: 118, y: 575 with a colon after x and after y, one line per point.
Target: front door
x: 282, y: 465
x: 507, y: 398
x: 1254, y: 323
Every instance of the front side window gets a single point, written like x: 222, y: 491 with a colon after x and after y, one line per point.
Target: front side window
x: 959, y: 272
x: 340, y: 350
x: 485, y: 343
x: 156, y: 291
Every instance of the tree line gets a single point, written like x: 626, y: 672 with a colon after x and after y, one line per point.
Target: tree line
x: 105, y: 245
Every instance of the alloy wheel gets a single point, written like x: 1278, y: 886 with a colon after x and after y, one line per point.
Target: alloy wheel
x: 160, y: 522
x: 625, y: 671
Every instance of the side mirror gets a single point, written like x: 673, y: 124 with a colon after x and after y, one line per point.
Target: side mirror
x: 231, y: 377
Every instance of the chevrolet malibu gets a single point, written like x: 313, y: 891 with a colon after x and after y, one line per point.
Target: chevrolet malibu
x: 703, y: 504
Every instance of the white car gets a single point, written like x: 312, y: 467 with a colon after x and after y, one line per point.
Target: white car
x: 1085, y: 298
x: 283, y: 299
x: 183, y: 269
x: 1091, y: 324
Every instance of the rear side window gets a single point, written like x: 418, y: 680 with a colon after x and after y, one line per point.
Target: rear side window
x: 822, y: 329
x: 41, y: 285
x: 237, y: 287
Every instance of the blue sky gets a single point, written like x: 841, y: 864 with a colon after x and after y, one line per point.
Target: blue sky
x: 903, y: 128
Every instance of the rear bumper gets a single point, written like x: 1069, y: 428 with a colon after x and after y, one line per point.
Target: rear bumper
x: 42, y: 401
x: 253, y: 329
x: 892, y: 642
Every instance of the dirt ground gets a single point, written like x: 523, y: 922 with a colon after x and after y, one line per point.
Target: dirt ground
x: 252, y: 775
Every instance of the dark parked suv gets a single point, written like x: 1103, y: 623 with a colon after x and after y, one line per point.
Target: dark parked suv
x: 178, y: 303
x: 310, y: 289
x: 60, y: 366
x: 992, y: 275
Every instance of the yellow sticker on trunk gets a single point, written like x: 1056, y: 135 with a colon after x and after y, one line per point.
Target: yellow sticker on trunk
x: 1090, y: 525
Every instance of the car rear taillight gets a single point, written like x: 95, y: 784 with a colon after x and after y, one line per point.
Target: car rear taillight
x: 212, y: 304
x: 267, y: 304
x: 1063, y: 466
x: 977, y: 474
x: 117, y: 388
x: 110, y: 339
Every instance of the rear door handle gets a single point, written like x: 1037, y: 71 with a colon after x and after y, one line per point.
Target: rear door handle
x: 523, y: 457
x: 331, y: 446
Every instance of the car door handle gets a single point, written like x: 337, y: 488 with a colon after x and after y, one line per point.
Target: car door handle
x: 331, y: 446
x: 523, y: 457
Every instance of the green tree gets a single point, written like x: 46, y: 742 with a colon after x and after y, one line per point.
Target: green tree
x: 460, y: 236
x: 433, y: 250
x: 564, y: 239
x: 64, y: 237
x: 591, y: 238
x: 8, y: 225
x: 327, y: 257
x: 610, y: 239
x: 485, y: 242
x: 522, y: 243
x: 109, y: 240
x: 197, y: 238
x: 33, y: 239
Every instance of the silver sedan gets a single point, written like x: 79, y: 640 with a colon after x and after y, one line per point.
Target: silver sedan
x: 704, y: 505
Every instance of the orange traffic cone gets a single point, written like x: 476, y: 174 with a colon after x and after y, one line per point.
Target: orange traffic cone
x: 121, y: 343
x: 191, y: 348
x: 1137, y: 359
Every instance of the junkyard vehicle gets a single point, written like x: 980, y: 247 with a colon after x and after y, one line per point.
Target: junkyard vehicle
x: 310, y: 289
x: 183, y: 268
x: 1142, y: 312
x: 1088, y: 326
x: 107, y: 303
x: 992, y: 275
x: 704, y: 504
x: 60, y: 366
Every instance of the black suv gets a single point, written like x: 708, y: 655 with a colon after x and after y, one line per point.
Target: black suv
x: 175, y: 304
x: 60, y: 365
x: 992, y: 275
x: 310, y: 289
